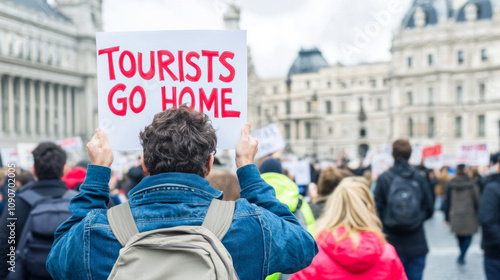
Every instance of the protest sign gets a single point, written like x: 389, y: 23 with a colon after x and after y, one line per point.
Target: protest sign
x: 270, y: 140
x: 381, y: 163
x: 9, y: 156
x: 416, y: 155
x: 433, y: 162
x: 432, y: 151
x: 474, y: 154
x: 70, y: 145
x: 300, y: 169
x: 25, y: 156
x: 142, y: 73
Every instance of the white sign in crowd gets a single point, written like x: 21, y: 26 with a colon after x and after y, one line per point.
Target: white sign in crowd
x: 270, y: 140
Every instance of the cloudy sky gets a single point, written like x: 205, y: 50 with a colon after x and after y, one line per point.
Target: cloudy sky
x: 346, y: 31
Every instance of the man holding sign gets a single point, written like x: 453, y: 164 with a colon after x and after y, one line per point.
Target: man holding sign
x: 179, y: 145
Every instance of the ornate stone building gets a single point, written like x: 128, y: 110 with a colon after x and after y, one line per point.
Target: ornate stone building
x: 47, y: 69
x: 441, y: 86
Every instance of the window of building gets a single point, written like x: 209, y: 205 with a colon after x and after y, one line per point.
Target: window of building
x: 409, y: 96
x: 484, y: 55
x: 410, y: 127
x: 410, y: 62
x: 482, y: 91
x: 459, y: 94
x: 47, y: 101
x: 379, y: 104
x: 431, y: 96
x: 309, y: 106
x: 330, y: 130
x: 287, y: 131
x: 328, y: 105
x: 458, y: 127
x: 308, y: 84
x: 460, y: 57
x: 64, y: 112
x: 373, y: 83
x: 275, y: 89
x: 56, y: 110
x: 362, y: 133
x: 276, y: 110
x: 431, y: 128
x: 308, y: 130
x: 288, y: 107
x: 430, y: 59
x: 481, y: 126
x: 343, y: 106
x: 328, y: 84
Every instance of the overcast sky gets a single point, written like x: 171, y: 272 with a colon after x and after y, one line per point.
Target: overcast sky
x: 346, y: 31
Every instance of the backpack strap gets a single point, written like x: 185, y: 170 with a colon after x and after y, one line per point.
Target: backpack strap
x: 219, y: 217
x: 70, y: 194
x: 122, y: 222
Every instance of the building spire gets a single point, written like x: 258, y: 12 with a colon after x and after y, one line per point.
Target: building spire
x: 232, y: 17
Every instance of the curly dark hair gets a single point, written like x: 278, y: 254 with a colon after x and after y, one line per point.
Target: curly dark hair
x: 49, y: 159
x: 178, y: 140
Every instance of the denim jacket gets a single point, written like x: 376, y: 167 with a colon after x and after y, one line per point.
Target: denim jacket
x: 264, y: 236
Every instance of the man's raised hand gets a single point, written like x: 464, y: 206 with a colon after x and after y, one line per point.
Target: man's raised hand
x: 99, y: 149
x: 246, y: 148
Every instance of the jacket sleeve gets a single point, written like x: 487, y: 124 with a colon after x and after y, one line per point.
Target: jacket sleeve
x: 291, y: 248
x: 489, y: 214
x: 446, y: 203
x: 428, y: 203
x: 398, y: 271
x: 67, y: 258
x: 308, y: 273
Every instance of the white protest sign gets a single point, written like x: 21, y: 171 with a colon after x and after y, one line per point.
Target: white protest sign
x: 301, y: 170
x: 9, y: 156
x: 474, y: 154
x: 25, y: 156
x: 70, y: 145
x: 270, y: 140
x: 434, y: 162
x: 142, y: 73
x: 416, y: 155
x: 381, y: 163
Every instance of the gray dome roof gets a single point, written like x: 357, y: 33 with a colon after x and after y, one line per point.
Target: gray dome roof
x: 308, y: 61
x: 433, y: 9
x: 484, y: 9
x: 40, y: 6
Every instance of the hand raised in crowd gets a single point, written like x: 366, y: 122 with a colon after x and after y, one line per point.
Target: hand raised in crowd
x: 247, y: 148
x: 99, y: 149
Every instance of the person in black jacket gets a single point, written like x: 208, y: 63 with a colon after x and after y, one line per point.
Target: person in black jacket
x: 410, y: 245
x: 49, y: 162
x: 489, y: 217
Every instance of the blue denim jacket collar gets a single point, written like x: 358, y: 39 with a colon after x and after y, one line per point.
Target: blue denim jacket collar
x: 185, y: 180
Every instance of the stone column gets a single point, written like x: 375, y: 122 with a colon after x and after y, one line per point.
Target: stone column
x: 10, y: 93
x: 33, y: 105
x: 22, y: 108
x: 51, y: 119
x: 69, y: 111
x: 60, y: 110
x: 42, y: 122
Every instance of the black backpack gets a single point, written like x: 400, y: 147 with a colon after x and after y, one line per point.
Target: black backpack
x: 35, y: 243
x: 404, y: 204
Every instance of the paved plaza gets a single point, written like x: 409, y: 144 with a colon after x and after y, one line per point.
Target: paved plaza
x: 441, y: 261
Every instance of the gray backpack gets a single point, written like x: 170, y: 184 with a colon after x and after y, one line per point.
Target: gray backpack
x: 183, y: 252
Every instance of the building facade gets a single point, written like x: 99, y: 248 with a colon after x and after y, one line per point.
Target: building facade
x: 47, y: 70
x: 441, y: 86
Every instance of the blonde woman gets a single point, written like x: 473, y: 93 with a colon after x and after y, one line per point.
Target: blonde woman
x: 350, y: 239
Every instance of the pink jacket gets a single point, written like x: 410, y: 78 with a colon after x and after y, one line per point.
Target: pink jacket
x: 373, y: 259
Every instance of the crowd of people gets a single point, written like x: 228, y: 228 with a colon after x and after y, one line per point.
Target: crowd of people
x: 180, y: 215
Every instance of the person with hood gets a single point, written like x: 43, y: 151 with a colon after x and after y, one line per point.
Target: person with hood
x: 350, y: 239
x: 404, y: 201
x: 460, y: 208
x: 489, y: 217
x: 287, y: 192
